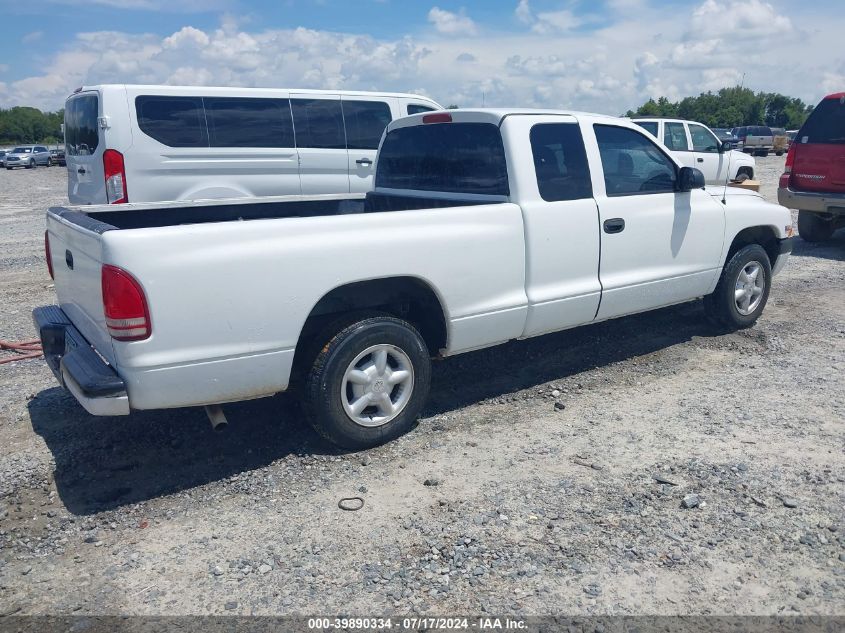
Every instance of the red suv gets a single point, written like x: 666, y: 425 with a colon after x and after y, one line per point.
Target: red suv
x: 814, y: 179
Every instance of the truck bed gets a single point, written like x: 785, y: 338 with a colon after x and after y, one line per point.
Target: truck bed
x: 103, y: 218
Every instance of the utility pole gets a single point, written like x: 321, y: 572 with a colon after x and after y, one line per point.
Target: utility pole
x: 742, y: 83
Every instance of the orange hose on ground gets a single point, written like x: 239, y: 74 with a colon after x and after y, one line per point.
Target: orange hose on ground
x: 23, y: 349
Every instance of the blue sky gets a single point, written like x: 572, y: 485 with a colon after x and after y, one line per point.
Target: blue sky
x: 604, y: 55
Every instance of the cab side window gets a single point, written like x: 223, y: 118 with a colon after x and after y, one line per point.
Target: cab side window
x: 560, y: 162
x: 365, y: 122
x: 703, y: 139
x: 675, y: 137
x: 632, y: 163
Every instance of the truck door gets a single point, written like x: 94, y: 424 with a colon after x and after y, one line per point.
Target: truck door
x: 561, y: 223
x: 705, y: 146
x: 659, y: 246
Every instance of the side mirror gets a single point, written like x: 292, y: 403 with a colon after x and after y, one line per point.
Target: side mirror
x: 725, y: 146
x: 690, y: 178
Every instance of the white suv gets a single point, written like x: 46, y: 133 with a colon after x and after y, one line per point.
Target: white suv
x: 128, y: 143
x: 696, y: 146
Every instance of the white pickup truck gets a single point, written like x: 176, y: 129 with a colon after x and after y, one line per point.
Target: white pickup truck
x: 484, y: 226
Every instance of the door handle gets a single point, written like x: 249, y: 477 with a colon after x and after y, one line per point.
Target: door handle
x: 81, y: 170
x: 700, y: 160
x: 364, y: 161
x: 614, y: 225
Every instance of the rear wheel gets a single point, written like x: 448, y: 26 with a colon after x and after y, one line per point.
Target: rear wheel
x: 743, y: 289
x: 813, y: 227
x: 368, y: 383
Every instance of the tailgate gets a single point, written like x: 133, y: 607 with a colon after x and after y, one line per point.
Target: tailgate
x: 76, y: 255
x: 819, y: 168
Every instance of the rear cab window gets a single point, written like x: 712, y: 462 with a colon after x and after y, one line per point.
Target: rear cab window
x: 81, y: 128
x: 675, y: 137
x: 415, y: 108
x: 648, y: 126
x: 465, y: 158
x: 826, y: 124
x: 560, y: 162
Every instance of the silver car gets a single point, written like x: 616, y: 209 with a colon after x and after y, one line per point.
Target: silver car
x: 27, y: 156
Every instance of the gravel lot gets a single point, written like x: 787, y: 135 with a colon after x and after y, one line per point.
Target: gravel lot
x: 499, y: 502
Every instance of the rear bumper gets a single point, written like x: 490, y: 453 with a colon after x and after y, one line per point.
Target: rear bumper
x: 833, y: 203
x: 77, y: 367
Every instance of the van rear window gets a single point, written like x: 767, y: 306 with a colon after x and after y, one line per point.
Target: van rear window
x: 174, y: 121
x: 448, y: 157
x: 81, y: 130
x: 826, y: 124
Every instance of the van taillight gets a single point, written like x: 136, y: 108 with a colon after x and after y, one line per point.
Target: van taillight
x: 47, y: 254
x: 787, y: 170
x: 115, y: 172
x: 125, y: 306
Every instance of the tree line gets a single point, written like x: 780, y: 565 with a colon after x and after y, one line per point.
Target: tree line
x: 29, y: 125
x: 731, y: 107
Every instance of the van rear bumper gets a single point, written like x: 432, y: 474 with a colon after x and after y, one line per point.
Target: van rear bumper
x: 77, y: 367
x: 833, y: 203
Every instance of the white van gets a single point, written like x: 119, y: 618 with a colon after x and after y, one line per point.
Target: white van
x: 155, y: 143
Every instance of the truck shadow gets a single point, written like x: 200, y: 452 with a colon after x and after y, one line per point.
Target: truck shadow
x: 106, y: 463
x: 833, y: 249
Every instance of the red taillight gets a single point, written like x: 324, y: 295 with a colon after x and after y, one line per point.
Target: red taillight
x: 787, y: 170
x: 47, y: 254
x: 115, y: 177
x: 125, y: 306
x: 437, y: 117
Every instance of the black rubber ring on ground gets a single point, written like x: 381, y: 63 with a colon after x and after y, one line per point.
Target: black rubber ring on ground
x: 344, y: 504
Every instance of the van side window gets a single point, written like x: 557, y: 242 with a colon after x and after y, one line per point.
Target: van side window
x: 560, y: 162
x: 632, y: 163
x: 318, y: 123
x: 415, y: 108
x: 81, y: 129
x: 248, y: 122
x: 365, y: 122
x: 173, y: 121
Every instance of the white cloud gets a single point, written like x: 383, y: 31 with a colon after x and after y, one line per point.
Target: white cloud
x: 450, y: 23
x: 29, y: 38
x: 750, y: 19
x: 523, y: 12
x: 606, y: 68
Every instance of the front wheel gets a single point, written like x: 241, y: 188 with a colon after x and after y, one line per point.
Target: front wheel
x: 30, y: 164
x: 743, y: 289
x: 369, y: 383
x: 814, y: 228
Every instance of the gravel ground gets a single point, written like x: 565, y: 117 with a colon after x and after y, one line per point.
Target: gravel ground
x: 649, y: 465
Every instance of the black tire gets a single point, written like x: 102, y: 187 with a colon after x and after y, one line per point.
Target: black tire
x: 31, y: 165
x: 742, y: 177
x: 721, y: 306
x: 814, y: 228
x: 324, y: 386
x: 778, y: 153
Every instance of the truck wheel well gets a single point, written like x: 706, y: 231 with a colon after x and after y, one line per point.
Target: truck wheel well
x: 748, y: 171
x: 407, y: 298
x: 765, y: 236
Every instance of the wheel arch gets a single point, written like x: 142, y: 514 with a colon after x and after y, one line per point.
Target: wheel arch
x: 407, y: 297
x: 764, y: 235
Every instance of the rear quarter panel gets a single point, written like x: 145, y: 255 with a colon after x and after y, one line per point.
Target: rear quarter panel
x: 228, y: 300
